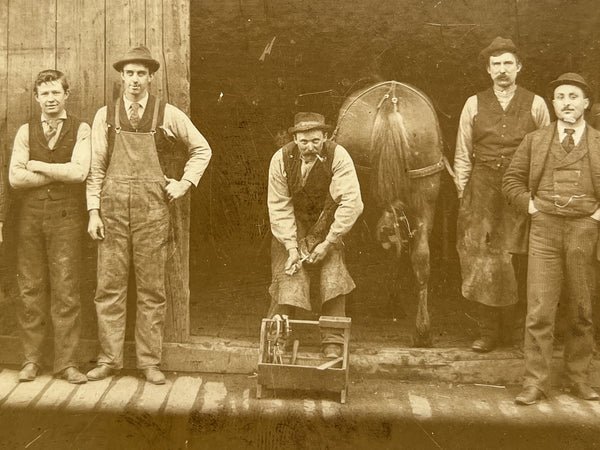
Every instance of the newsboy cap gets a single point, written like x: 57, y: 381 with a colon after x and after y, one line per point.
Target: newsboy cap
x: 137, y: 55
x: 573, y: 79
x: 498, y: 46
x: 305, y: 121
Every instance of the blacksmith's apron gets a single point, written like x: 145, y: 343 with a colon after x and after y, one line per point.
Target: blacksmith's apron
x: 486, y: 222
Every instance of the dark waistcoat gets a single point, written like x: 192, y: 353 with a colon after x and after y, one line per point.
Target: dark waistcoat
x: 496, y: 132
x: 309, y: 199
x: 61, y: 153
x: 566, y: 186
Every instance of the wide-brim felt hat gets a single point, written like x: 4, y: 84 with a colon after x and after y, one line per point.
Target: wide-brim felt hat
x: 573, y: 79
x: 137, y: 55
x: 499, y: 46
x: 305, y: 121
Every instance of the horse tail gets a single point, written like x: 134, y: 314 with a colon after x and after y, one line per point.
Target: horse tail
x: 389, y: 156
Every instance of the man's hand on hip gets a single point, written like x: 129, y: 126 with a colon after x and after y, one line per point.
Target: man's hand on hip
x: 176, y: 189
x: 95, y: 225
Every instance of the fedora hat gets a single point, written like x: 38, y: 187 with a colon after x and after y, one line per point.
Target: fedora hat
x: 498, y: 46
x: 139, y: 55
x: 305, y: 121
x: 573, y: 79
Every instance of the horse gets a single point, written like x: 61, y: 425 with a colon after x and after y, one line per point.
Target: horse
x: 392, y: 133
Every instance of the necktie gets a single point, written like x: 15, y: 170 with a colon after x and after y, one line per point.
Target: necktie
x: 568, y: 143
x: 135, y: 115
x: 51, y: 128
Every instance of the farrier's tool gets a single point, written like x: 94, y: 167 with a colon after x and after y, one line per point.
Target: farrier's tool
x: 278, y: 369
x: 279, y: 331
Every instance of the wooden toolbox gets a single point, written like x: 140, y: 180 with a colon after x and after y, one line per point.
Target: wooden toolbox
x: 286, y: 368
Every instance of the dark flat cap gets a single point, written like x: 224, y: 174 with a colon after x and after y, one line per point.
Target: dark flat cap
x: 498, y: 46
x: 573, y: 79
x: 137, y: 55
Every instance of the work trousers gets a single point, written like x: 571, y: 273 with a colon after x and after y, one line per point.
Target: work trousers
x: 136, y: 221
x: 561, y: 250
x: 48, y: 266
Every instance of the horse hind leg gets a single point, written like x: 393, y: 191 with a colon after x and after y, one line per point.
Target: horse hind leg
x: 419, y: 256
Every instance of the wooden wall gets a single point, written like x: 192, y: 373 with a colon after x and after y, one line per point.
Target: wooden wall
x: 83, y: 38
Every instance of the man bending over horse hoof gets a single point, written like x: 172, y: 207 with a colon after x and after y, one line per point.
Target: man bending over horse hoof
x: 493, y: 262
x: 314, y: 200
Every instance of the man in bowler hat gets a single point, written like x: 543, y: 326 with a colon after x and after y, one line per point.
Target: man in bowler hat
x: 127, y: 200
x: 554, y: 177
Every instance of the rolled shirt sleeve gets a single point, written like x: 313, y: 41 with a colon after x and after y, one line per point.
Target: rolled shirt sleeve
x: 99, y: 161
x: 178, y: 124
x: 175, y: 123
x: 464, y: 145
x: 279, y: 202
x: 19, y: 176
x: 74, y: 171
x: 345, y: 191
x: 463, y: 164
x: 539, y: 112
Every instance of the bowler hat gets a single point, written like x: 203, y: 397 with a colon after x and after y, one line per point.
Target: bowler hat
x: 573, y: 79
x: 304, y: 121
x: 498, y: 46
x: 138, y: 55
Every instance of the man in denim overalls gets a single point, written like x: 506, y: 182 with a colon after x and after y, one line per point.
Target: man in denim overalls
x: 128, y: 196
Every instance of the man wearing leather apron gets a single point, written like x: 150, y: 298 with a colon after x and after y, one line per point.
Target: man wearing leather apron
x: 127, y: 197
x: 493, y: 263
x: 314, y: 200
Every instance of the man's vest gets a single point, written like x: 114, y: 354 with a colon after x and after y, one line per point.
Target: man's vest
x: 566, y: 186
x: 60, y: 154
x: 313, y: 206
x: 165, y: 145
x: 496, y: 132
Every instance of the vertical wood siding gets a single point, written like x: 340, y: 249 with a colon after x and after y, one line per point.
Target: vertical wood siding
x: 83, y: 38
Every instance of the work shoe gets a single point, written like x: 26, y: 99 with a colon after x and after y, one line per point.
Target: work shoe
x: 154, y: 375
x: 73, y: 376
x: 332, y: 350
x: 584, y: 392
x: 484, y: 344
x: 28, y: 372
x: 101, y: 372
x: 529, y: 396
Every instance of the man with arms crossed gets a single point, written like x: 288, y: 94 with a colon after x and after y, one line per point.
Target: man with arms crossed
x: 49, y: 164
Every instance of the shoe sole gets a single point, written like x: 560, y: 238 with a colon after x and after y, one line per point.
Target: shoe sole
x: 25, y: 380
x: 112, y: 374
x: 524, y: 403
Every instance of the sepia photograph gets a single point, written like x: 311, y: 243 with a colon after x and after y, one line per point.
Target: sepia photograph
x: 307, y: 224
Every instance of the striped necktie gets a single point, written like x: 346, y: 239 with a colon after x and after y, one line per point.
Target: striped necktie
x: 134, y: 119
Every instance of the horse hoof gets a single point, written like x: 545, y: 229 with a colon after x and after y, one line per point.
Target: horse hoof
x: 422, y: 341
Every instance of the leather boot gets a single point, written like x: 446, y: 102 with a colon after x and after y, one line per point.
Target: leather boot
x: 489, y: 329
